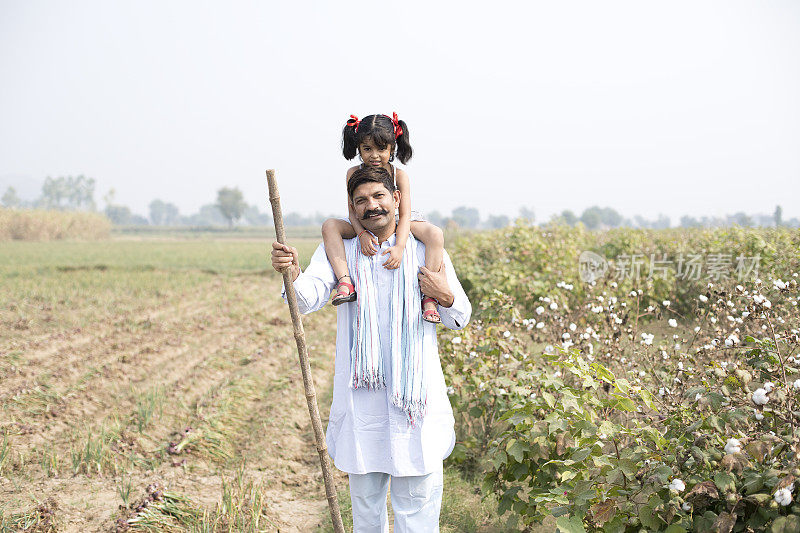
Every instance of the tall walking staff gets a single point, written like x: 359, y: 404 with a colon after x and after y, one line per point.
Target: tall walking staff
x: 302, y: 352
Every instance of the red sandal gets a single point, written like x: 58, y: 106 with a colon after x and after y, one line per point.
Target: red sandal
x: 342, y: 297
x: 431, y: 315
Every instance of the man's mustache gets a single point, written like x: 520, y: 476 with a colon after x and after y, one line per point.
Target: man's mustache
x: 379, y: 212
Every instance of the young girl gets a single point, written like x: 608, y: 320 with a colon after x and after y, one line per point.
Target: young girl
x: 375, y: 140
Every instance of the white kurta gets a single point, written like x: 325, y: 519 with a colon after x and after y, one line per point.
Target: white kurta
x: 366, y: 433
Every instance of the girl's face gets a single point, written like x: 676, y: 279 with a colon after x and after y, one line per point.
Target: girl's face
x: 374, y: 156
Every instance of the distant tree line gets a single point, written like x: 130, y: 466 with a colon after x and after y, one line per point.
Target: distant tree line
x: 230, y: 209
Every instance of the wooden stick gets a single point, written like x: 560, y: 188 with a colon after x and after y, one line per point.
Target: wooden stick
x: 302, y: 352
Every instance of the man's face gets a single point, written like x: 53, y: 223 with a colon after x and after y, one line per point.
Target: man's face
x: 374, y: 205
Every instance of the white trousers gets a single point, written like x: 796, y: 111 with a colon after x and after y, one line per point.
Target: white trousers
x: 416, y: 502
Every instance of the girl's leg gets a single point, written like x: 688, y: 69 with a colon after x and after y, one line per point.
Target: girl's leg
x: 334, y: 231
x: 433, y: 238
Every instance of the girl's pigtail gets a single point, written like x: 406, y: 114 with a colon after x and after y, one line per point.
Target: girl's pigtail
x: 350, y: 138
x: 404, y: 151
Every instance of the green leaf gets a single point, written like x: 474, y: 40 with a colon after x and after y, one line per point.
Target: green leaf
x: 581, y: 454
x: 786, y: 524
x: 516, y: 449
x: 675, y: 528
x: 647, y: 398
x: 725, y: 482
x: 603, y: 373
x: 549, y: 398
x: 572, y: 524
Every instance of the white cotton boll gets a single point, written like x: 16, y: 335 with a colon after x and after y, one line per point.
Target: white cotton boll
x: 565, y: 335
x: 768, y: 386
x: 677, y: 485
x: 733, y: 446
x: 557, y: 373
x: 573, y: 327
x: 686, y: 506
x: 696, y: 329
x: 673, y: 323
x: 757, y: 298
x: 758, y: 415
x: 548, y: 349
x: 760, y: 397
x: 553, y: 306
x: 703, y: 298
x: 713, y: 320
x: 506, y: 334
x: 633, y: 294
x: 642, y: 373
x: 767, y: 303
x: 665, y: 303
x: 745, y: 314
x: 539, y: 310
x: 680, y: 365
x: 697, y: 397
x: 450, y: 391
x: 784, y: 496
x: 796, y: 384
x: 732, y: 340
x: 456, y: 340
x: 779, y: 284
x: 540, y: 325
x: 677, y: 380
x: 677, y: 347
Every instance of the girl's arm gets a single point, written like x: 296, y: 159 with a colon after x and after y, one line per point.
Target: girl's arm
x: 404, y: 224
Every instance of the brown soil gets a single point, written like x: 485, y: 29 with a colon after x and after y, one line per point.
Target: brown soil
x: 193, y: 349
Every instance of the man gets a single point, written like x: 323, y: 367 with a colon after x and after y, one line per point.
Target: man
x: 368, y: 435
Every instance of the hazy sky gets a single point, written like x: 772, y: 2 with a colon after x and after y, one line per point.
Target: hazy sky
x: 670, y: 107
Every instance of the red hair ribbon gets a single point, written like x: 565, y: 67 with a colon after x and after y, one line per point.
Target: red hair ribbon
x: 398, y: 130
x: 353, y: 120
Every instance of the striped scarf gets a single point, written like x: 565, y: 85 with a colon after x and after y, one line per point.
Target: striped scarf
x: 408, y: 387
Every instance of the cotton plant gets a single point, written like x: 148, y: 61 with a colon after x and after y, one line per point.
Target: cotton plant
x: 712, y: 365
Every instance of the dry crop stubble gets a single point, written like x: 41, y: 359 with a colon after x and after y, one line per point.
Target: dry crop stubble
x: 216, y: 356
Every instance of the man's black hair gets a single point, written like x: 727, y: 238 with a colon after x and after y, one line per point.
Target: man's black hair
x: 369, y: 174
